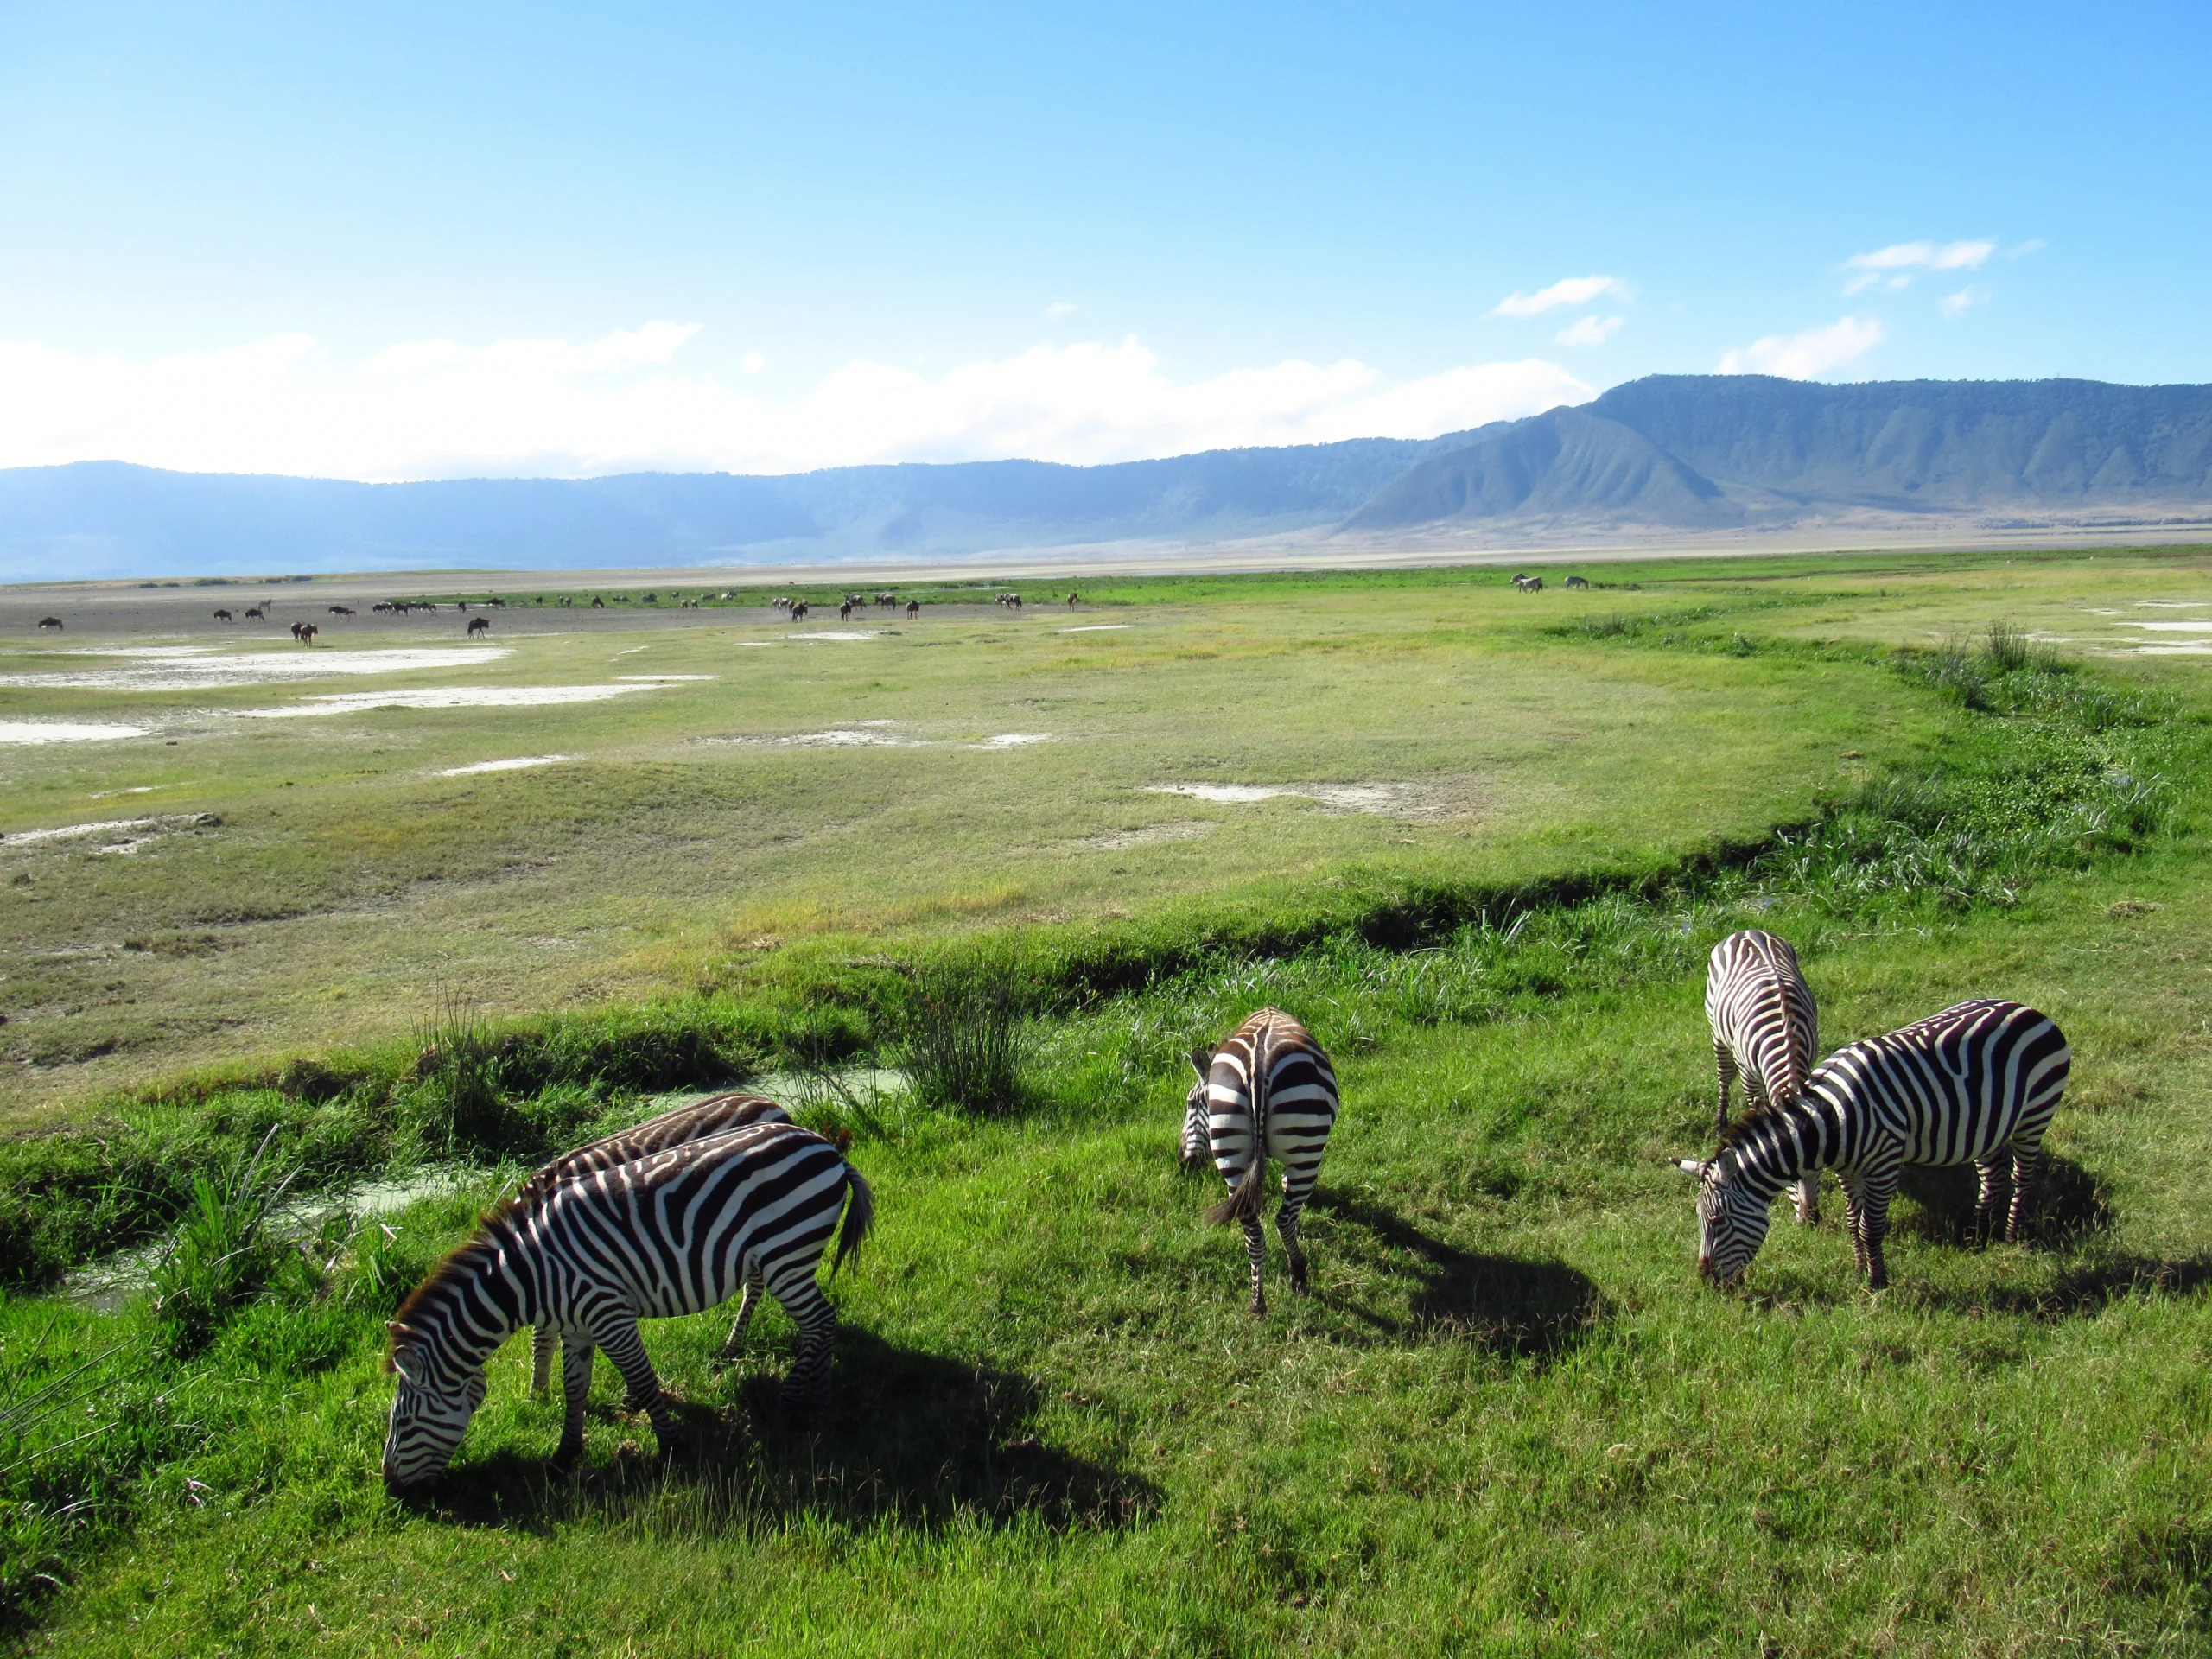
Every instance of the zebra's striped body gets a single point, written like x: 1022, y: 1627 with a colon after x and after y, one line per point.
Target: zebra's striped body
x: 1976, y: 1083
x: 1766, y: 1027
x: 1267, y: 1092
x: 674, y: 1232
x: 700, y: 1120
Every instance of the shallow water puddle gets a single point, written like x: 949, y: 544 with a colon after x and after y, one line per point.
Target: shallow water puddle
x: 65, y: 731
x: 190, y: 668
x: 1098, y: 627
x: 456, y: 696
x: 833, y: 634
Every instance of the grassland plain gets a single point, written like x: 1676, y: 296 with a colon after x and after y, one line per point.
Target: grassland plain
x: 1508, y: 1420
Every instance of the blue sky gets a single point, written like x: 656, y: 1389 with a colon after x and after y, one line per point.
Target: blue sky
x: 569, y: 240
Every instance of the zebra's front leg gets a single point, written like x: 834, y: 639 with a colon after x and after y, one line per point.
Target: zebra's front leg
x: 1723, y: 1062
x: 1256, y: 1247
x: 747, y: 1304
x: 619, y: 1335
x: 1874, y: 1221
x: 1854, y: 1223
x: 1805, y: 1198
x: 543, y: 1339
x: 575, y: 1386
x: 1990, y: 1186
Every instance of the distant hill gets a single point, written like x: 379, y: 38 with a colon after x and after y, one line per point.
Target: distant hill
x: 1670, y: 453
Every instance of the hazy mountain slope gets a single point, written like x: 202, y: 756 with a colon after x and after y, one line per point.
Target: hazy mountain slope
x: 107, y: 518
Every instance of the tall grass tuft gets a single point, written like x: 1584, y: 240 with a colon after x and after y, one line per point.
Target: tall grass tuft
x: 461, y: 1105
x: 223, y: 1253
x: 1957, y: 673
x: 966, y: 1035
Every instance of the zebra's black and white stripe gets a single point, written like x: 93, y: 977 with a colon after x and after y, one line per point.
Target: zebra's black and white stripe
x: 699, y: 1121
x: 1972, y: 1085
x: 1267, y: 1092
x: 1766, y: 1027
x: 672, y: 1233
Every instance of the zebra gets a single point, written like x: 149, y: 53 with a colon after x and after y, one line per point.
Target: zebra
x: 1576, y: 582
x: 1268, y: 1090
x: 1765, y: 1027
x: 699, y: 1121
x: 669, y: 1234
x: 1967, y: 1086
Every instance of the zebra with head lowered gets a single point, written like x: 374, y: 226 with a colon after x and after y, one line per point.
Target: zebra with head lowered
x: 700, y: 1120
x: 1268, y: 1091
x: 1975, y: 1084
x: 1764, y: 1026
x: 672, y: 1233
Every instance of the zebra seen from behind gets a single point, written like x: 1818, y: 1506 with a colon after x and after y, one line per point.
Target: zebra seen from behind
x: 1268, y: 1091
x: 1975, y: 1084
x: 672, y: 1233
x: 699, y: 1121
x: 1766, y: 1027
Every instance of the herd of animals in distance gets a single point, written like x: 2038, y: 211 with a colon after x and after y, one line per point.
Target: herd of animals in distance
x: 727, y: 1196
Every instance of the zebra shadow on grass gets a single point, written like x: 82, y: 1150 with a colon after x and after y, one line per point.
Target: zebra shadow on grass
x: 1511, y: 1306
x: 906, y: 1438
x: 1938, y: 1204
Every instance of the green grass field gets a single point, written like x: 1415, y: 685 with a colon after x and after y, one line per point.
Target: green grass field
x: 1509, y: 1419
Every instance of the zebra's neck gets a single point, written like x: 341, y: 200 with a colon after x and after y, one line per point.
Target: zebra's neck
x: 486, y: 1291
x: 1780, y: 1144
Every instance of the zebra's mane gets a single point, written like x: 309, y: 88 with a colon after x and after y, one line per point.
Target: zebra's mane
x: 1754, y: 1118
x: 461, y: 1265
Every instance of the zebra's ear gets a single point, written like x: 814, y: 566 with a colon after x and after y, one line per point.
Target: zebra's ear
x: 1690, y: 1166
x: 1202, y: 1062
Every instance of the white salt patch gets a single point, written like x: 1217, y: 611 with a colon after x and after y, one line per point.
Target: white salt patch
x: 660, y: 679
x: 507, y: 766
x: 843, y: 737
x: 2198, y: 648
x: 1011, y: 740
x: 2173, y: 604
x: 1345, y: 797
x: 141, y: 789
x: 484, y: 696
x: 205, y: 672
x: 1182, y: 829
x: 2172, y: 627
x: 64, y: 731
x: 135, y: 651
x: 832, y: 635
x: 1098, y: 627
x: 71, y: 831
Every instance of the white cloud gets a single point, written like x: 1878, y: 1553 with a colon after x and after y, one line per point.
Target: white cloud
x: 438, y: 409
x: 1799, y: 357
x: 2033, y: 244
x: 754, y: 362
x: 1973, y: 294
x: 1909, y: 256
x: 1589, y: 331
x: 1058, y: 308
x: 1568, y: 290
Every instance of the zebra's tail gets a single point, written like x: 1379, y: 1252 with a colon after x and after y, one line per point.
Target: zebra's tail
x: 860, y: 1215
x: 1250, y: 1191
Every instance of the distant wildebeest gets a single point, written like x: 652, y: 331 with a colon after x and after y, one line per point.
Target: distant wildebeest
x: 886, y: 598
x: 652, y: 598
x: 1576, y: 582
x: 597, y: 603
x: 341, y: 610
x: 46, y: 622
x: 1072, y: 600
x: 913, y: 609
x: 255, y: 614
x: 845, y: 610
x: 479, y: 625
x: 222, y: 616
x: 383, y: 606
x: 799, y: 610
x: 496, y: 601
x: 566, y: 603
x: 305, y: 633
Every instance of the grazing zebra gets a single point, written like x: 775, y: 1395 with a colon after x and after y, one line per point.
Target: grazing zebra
x: 1972, y: 1084
x: 672, y: 1233
x: 1267, y: 1091
x: 700, y: 1120
x: 1765, y: 1027
x: 1576, y: 582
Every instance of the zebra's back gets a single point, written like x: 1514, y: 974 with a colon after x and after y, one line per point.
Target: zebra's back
x: 1762, y: 1011
x: 1296, y: 1091
x: 1954, y: 1088
x: 700, y: 1120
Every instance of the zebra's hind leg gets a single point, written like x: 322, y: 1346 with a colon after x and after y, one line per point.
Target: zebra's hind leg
x: 1723, y: 1062
x: 618, y: 1334
x: 2027, y: 1166
x: 1805, y: 1198
x: 809, y: 1309
x: 1297, y: 1188
x: 575, y: 1386
x: 746, y: 1305
x: 1854, y: 1223
x: 1989, y: 1188
x: 1874, y: 1221
x: 1256, y: 1247
x: 542, y: 1341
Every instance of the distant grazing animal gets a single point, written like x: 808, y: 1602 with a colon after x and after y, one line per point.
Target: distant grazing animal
x: 886, y: 598
x: 1530, y: 584
x: 500, y: 603
x: 799, y: 610
x: 305, y: 633
x: 700, y: 1120
x: 255, y: 614
x: 652, y: 598
x: 46, y: 622
x: 913, y: 609
x: 844, y: 610
x: 1268, y: 1092
x: 1975, y: 1084
x: 222, y: 616
x: 672, y: 1233
x: 1576, y: 582
x: 381, y: 607
x: 1072, y: 600
x: 1766, y: 1027
x: 687, y: 605
x: 341, y: 610
x: 597, y: 603
x: 566, y: 603
x: 479, y: 625
x: 1012, y: 601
